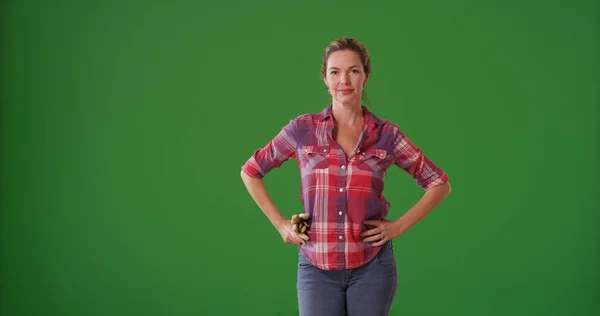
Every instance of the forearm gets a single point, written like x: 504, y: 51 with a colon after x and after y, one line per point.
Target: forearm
x: 258, y: 191
x: 430, y: 200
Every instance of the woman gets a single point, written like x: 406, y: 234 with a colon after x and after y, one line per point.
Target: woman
x: 347, y: 265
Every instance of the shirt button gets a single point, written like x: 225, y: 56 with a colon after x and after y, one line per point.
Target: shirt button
x: 340, y: 213
x: 340, y: 237
x: 324, y: 150
x: 341, y: 189
x: 343, y: 167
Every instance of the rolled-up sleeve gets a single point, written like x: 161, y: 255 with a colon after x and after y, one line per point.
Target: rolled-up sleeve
x: 274, y: 154
x: 411, y: 159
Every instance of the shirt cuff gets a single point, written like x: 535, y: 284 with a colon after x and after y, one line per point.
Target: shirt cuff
x: 252, y: 169
x: 435, y: 181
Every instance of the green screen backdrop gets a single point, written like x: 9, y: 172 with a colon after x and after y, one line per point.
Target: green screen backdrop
x: 124, y: 125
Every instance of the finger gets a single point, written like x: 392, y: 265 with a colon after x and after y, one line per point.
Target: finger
x: 371, y: 232
x: 372, y: 222
x: 290, y: 237
x: 303, y: 236
x: 373, y: 238
x: 295, y: 237
x: 298, y: 240
x: 292, y: 240
x: 379, y: 243
x: 303, y: 229
x: 304, y: 215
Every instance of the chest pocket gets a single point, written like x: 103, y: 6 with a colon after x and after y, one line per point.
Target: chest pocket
x: 314, y: 157
x: 373, y: 160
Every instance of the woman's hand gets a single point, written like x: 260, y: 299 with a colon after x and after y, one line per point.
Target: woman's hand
x: 287, y: 233
x: 383, y: 231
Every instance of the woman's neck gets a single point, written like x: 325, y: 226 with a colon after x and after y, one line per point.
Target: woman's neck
x: 347, y: 114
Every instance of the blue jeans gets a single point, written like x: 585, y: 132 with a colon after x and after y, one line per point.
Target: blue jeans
x: 367, y: 290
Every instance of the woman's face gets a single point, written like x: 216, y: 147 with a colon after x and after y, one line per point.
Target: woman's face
x: 345, y: 76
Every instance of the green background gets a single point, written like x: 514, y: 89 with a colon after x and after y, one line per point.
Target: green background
x: 124, y: 125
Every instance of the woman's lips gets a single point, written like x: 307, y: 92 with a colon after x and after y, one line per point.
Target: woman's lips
x: 346, y: 91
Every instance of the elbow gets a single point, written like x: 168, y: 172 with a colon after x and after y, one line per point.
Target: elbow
x: 246, y: 177
x: 447, y: 189
x: 249, y: 176
x: 442, y: 189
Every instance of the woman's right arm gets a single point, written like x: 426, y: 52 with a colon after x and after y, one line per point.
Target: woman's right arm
x: 256, y: 189
x: 276, y: 152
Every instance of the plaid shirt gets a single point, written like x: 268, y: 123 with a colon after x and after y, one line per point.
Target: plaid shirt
x: 340, y: 192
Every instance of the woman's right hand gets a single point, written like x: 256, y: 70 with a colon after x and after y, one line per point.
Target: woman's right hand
x: 287, y: 233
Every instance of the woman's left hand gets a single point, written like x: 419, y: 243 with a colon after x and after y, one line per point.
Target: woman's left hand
x: 383, y: 231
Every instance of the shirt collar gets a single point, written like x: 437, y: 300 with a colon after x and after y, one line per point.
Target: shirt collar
x: 370, y: 119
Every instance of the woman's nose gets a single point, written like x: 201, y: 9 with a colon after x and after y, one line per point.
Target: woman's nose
x: 344, y: 79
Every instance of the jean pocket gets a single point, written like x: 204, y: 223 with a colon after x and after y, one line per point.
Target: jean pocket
x: 302, y: 261
x: 315, y: 157
x: 386, y: 255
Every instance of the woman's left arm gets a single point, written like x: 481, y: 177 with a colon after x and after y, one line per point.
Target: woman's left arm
x: 430, y: 200
x: 392, y: 229
x: 432, y: 179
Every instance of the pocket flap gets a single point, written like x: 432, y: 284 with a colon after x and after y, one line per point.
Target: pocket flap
x: 379, y: 153
x: 315, y: 149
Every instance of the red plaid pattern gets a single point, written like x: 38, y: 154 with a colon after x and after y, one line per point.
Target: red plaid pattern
x: 338, y: 192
